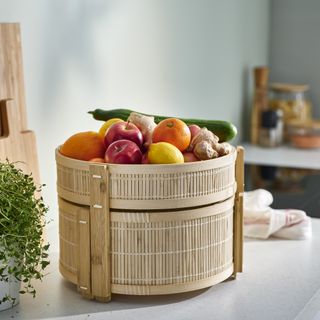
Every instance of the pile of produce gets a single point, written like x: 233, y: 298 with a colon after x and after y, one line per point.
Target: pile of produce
x: 128, y: 137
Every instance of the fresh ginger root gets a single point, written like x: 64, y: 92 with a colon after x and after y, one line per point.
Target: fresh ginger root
x: 145, y: 124
x: 203, y: 135
x: 205, y: 145
x: 204, y: 151
x: 223, y: 148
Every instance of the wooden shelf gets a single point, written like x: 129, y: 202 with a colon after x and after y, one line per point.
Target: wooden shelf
x: 283, y: 156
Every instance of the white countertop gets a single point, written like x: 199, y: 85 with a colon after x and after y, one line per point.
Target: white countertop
x: 281, y: 280
x: 282, y: 156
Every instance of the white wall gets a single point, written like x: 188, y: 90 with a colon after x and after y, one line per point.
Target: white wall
x: 295, y: 45
x: 171, y: 57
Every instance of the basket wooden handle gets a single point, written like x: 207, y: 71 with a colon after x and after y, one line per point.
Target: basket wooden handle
x: 238, y: 213
x: 94, y: 273
x: 100, y: 233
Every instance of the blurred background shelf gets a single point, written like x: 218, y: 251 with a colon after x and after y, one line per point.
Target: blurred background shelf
x: 292, y: 175
x: 283, y: 156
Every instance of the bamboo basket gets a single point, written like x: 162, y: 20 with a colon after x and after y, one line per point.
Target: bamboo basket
x: 149, y: 229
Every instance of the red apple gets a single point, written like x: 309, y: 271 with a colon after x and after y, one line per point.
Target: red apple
x: 123, y: 130
x: 194, y: 129
x: 189, y: 157
x: 124, y: 152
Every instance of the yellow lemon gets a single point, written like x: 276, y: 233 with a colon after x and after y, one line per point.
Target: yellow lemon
x: 107, y: 125
x: 164, y: 152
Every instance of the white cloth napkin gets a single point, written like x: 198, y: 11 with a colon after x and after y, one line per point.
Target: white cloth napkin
x: 261, y: 221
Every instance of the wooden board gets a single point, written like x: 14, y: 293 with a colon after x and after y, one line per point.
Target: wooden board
x: 17, y: 143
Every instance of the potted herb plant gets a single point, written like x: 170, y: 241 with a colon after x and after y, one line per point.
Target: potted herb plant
x: 23, y: 253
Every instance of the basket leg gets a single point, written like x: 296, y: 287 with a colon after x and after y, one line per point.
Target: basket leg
x: 100, y: 233
x: 238, y: 213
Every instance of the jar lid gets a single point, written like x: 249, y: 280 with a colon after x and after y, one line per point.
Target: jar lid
x: 289, y: 87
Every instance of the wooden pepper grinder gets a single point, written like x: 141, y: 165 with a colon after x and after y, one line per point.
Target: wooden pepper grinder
x: 260, y: 101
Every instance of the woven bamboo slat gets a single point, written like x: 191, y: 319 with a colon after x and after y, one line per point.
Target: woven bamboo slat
x: 150, y: 186
x: 175, y: 248
x: 185, y: 241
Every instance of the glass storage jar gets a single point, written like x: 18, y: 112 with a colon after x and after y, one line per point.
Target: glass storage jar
x: 304, y: 134
x: 290, y: 98
x: 270, y: 133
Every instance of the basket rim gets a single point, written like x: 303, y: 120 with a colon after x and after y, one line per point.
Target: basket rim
x: 151, y: 168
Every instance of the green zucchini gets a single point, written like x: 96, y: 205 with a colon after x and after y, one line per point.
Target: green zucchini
x: 223, y: 129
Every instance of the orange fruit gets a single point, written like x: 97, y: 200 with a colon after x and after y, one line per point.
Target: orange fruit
x: 174, y: 131
x: 99, y: 160
x: 84, y: 146
x: 164, y: 152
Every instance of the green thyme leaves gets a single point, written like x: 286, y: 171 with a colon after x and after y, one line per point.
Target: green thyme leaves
x: 23, y: 253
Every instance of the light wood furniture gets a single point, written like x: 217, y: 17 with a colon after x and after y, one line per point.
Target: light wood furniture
x: 149, y: 229
x: 17, y: 143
